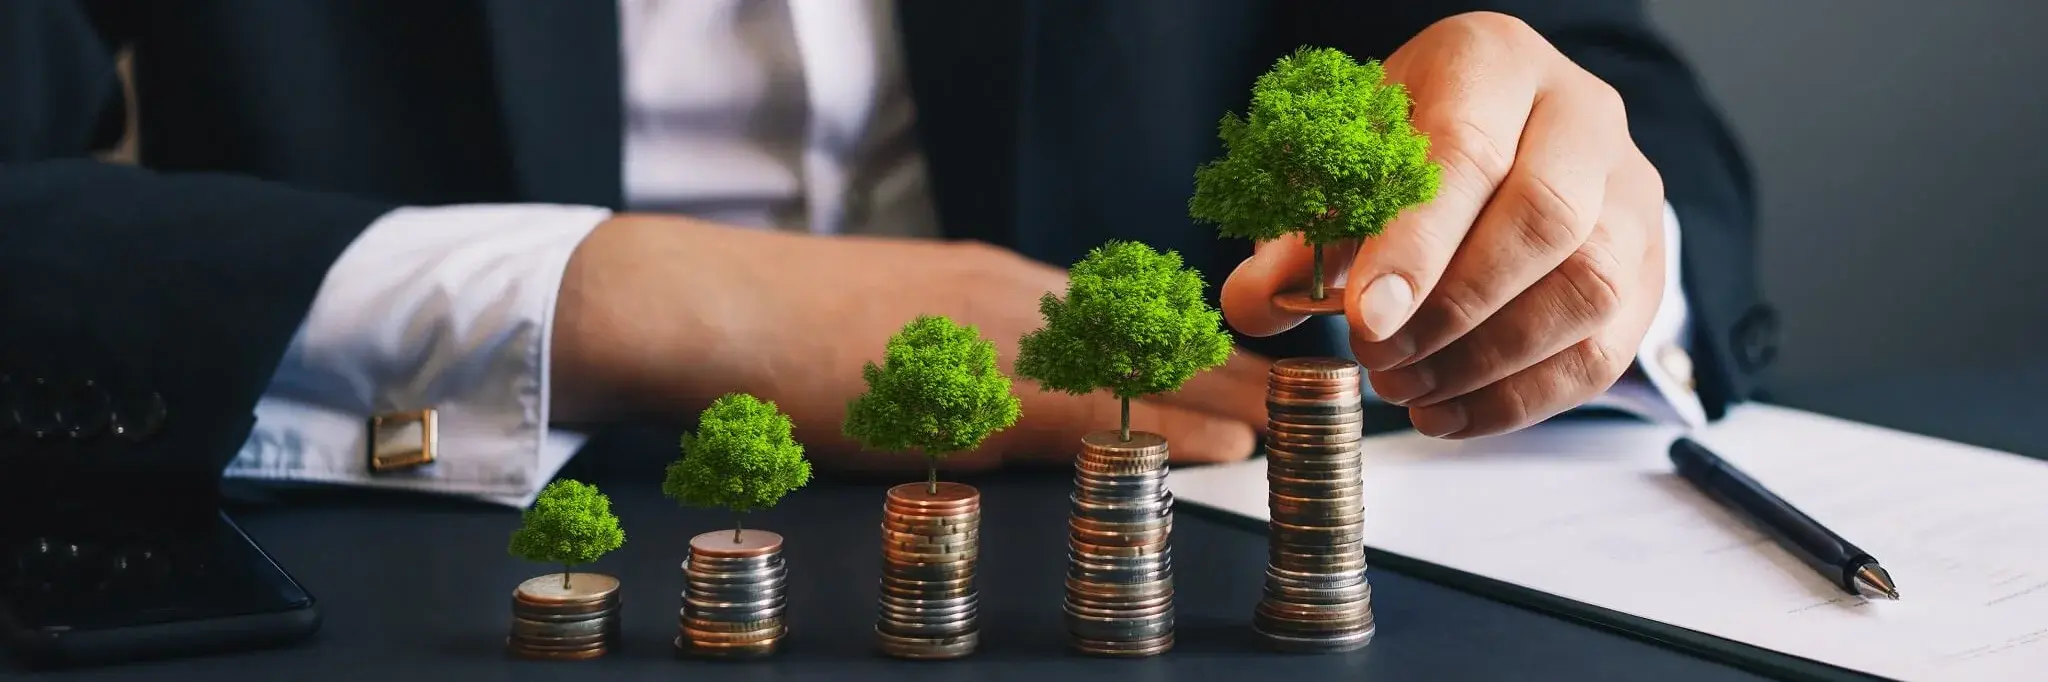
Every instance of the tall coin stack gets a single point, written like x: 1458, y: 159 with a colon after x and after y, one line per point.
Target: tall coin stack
x: 1119, y: 561
x: 1317, y: 598
x: 570, y: 619
x: 930, y: 543
x: 733, y: 599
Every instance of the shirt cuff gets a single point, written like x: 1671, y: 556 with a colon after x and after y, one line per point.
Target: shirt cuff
x: 1659, y: 387
x: 444, y: 308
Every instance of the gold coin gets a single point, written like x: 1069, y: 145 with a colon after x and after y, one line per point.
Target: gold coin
x: 579, y: 589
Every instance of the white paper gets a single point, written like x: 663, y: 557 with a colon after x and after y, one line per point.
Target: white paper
x: 1592, y: 512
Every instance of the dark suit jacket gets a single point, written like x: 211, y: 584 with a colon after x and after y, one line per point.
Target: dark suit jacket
x: 273, y: 131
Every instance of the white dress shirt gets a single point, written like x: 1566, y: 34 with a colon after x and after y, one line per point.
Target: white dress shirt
x: 781, y: 114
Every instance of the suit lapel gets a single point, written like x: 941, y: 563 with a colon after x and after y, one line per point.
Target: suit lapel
x: 965, y: 61
x: 558, y: 78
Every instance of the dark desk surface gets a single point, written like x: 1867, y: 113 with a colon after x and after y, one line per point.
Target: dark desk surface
x: 418, y: 591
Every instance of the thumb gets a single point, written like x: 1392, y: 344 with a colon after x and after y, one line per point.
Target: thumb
x: 1277, y: 266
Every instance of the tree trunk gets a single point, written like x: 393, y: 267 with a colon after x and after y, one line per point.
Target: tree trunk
x: 1315, y: 287
x: 1125, y: 432
x: 739, y: 524
x: 931, y: 474
x: 565, y: 575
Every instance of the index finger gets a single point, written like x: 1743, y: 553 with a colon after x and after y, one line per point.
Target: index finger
x: 1472, y: 105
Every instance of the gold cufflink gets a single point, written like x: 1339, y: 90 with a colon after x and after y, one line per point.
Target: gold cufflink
x: 403, y: 440
x: 1678, y: 364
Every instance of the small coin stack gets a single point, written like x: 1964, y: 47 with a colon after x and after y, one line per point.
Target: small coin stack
x: 931, y: 540
x: 1119, y: 560
x: 733, y: 599
x: 1317, y: 598
x: 570, y: 619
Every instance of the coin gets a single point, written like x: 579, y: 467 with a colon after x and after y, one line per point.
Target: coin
x: 927, y: 607
x: 1305, y: 303
x: 564, y: 617
x: 734, y: 595
x: 1316, y: 368
x: 1119, y: 596
x: 1316, y: 597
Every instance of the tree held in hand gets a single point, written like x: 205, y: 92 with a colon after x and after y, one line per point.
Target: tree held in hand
x: 741, y: 458
x: 570, y: 523
x: 1134, y: 321
x: 938, y: 391
x: 1326, y: 149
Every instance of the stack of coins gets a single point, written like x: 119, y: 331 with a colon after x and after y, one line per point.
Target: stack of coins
x: 733, y: 599
x: 570, y: 619
x: 1317, y: 598
x: 1119, y: 561
x: 930, y: 542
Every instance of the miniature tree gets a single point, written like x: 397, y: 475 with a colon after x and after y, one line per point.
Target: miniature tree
x: 570, y: 523
x: 741, y: 458
x: 1134, y: 321
x: 938, y: 391
x: 1326, y: 149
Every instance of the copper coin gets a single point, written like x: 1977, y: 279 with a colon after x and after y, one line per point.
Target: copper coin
x: 927, y: 648
x: 739, y: 650
x: 1316, y: 368
x: 1080, y: 547
x: 722, y: 544
x: 1302, y: 302
x: 1099, y: 591
x: 707, y: 625
x: 921, y: 498
x: 1301, y: 418
x: 936, y: 525
x: 1114, y: 604
x: 513, y: 648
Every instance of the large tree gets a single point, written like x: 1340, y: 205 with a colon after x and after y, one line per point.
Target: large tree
x: 570, y: 523
x: 937, y: 391
x: 1326, y: 149
x: 741, y: 458
x: 1134, y: 321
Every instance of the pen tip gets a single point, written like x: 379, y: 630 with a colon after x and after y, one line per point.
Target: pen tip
x: 1873, y: 581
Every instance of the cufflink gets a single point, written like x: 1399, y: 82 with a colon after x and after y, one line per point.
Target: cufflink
x: 1677, y: 364
x: 403, y: 440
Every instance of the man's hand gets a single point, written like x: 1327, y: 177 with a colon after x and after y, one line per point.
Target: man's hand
x: 660, y: 315
x: 1525, y: 288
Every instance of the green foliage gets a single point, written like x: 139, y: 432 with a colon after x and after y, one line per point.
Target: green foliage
x: 570, y: 523
x: 741, y: 458
x: 1134, y: 321
x: 938, y: 390
x: 1326, y: 149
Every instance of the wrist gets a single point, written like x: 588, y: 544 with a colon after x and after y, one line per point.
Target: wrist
x: 631, y: 327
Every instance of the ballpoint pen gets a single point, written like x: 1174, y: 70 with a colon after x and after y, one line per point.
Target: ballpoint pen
x: 1850, y: 568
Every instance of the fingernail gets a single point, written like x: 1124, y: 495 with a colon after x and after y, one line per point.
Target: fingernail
x: 1437, y: 421
x: 1385, y: 303
x: 1405, y: 384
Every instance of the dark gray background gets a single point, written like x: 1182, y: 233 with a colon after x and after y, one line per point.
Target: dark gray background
x: 1899, y: 151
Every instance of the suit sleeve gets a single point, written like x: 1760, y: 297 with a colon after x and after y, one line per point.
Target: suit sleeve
x: 141, y: 314
x: 1707, y: 181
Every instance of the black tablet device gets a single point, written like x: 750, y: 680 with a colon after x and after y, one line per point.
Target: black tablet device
x: 122, y: 588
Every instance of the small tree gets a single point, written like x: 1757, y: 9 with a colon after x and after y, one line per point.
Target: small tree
x: 570, y: 523
x: 938, y: 391
x: 1134, y: 322
x: 741, y: 458
x: 1326, y: 149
